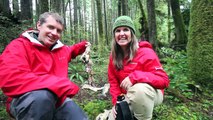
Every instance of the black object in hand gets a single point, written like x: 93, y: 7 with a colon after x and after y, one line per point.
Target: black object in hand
x: 122, y: 109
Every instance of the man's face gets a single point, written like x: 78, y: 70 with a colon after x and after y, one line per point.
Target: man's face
x: 50, y: 31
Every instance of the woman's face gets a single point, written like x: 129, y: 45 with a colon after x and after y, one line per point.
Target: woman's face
x: 123, y: 36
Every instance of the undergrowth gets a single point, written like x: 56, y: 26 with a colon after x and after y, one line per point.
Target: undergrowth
x: 183, y: 100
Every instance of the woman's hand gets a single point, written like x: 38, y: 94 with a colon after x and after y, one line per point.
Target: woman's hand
x: 126, y: 83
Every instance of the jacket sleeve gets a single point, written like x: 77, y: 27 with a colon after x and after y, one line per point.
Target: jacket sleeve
x: 114, y: 84
x: 77, y: 49
x: 149, y: 70
x: 17, y: 78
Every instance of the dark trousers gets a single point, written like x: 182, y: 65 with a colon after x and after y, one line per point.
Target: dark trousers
x: 40, y: 105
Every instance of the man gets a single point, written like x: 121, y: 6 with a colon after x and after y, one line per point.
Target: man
x: 34, y: 75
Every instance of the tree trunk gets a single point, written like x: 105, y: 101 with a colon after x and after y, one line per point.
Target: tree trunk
x: 75, y: 5
x: 199, y: 47
x: 99, y: 14
x: 181, y: 36
x: 144, y: 25
x: 55, y: 6
x: 43, y: 6
x: 119, y: 7
x: 124, y: 5
x: 71, y: 23
x: 169, y: 23
x: 5, y: 8
x: 15, y: 8
x: 152, y: 23
x: 105, y: 23
x: 26, y: 10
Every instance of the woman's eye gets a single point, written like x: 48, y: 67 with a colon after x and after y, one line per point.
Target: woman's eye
x: 117, y: 30
x: 126, y: 29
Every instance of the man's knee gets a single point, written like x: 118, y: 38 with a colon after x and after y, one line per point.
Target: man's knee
x: 43, y: 97
x: 35, y: 104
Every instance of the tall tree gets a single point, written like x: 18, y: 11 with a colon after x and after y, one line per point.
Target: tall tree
x: 75, y: 24
x: 71, y: 23
x: 105, y: 23
x: 26, y: 10
x: 199, y: 48
x: 180, y: 31
x: 43, y: 6
x: 152, y: 23
x: 168, y: 20
x: 16, y: 8
x: 119, y: 7
x: 144, y: 24
x: 55, y: 5
x: 99, y: 14
x: 122, y: 7
x: 5, y: 8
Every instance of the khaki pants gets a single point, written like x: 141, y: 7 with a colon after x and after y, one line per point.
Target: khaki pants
x: 142, y: 98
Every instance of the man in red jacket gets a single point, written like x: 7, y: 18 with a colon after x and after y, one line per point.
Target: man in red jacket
x: 135, y: 71
x: 34, y: 73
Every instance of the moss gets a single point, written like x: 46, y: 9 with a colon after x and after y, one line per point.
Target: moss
x: 200, y: 57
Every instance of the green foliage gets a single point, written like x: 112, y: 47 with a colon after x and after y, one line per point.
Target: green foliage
x: 176, y: 68
x: 177, y: 112
x: 76, y: 72
x: 9, y: 30
x: 95, y: 107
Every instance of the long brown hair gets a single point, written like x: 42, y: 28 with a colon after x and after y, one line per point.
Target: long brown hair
x: 118, y: 54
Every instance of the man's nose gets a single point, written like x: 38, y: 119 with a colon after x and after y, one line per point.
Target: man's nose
x: 54, y: 32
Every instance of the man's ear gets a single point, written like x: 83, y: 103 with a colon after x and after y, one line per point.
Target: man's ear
x: 38, y: 25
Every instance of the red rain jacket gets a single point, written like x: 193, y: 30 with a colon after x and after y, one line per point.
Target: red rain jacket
x: 144, y: 68
x: 27, y: 65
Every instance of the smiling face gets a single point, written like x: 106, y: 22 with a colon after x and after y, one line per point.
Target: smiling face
x: 123, y: 36
x: 50, y: 31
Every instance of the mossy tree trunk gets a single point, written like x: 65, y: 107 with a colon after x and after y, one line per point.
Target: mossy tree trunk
x: 180, y: 40
x: 199, y: 48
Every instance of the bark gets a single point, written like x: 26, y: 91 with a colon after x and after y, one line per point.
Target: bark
x: 144, y: 24
x: 26, y: 10
x: 99, y: 14
x: 180, y: 41
x: 152, y: 23
x: 199, y: 47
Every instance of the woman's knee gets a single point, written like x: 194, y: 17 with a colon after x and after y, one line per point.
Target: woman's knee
x: 140, y: 91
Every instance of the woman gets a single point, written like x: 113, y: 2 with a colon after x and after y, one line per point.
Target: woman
x: 135, y: 71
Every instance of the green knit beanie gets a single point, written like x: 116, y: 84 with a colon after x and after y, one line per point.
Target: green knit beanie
x: 123, y: 21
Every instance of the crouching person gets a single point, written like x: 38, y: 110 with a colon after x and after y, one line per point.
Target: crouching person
x: 135, y: 71
x: 34, y: 73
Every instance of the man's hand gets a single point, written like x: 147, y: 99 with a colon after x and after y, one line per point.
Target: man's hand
x: 86, y: 55
x: 126, y: 83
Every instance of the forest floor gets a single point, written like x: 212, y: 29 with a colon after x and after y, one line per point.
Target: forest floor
x: 177, y: 105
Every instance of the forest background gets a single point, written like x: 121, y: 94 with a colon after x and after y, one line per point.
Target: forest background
x: 179, y: 30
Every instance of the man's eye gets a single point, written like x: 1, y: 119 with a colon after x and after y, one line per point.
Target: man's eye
x: 59, y: 31
x: 50, y: 27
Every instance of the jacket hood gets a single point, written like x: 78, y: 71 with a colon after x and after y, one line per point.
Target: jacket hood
x: 30, y: 34
x: 146, y: 44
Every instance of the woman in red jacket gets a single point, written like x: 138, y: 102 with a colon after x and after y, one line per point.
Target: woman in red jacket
x: 34, y: 73
x: 135, y: 71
